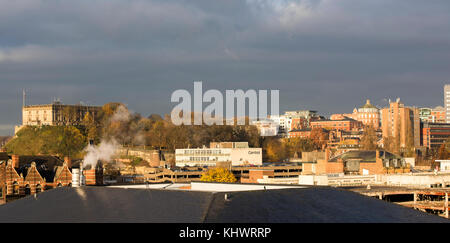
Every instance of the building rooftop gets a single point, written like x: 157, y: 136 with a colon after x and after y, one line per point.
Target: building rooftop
x: 368, y: 105
x: 364, y: 155
x: 292, y: 205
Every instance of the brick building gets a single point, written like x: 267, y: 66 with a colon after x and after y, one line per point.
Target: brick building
x: 356, y: 162
x: 433, y: 135
x: 346, y: 124
x: 401, y: 123
x: 27, y: 175
x: 368, y: 115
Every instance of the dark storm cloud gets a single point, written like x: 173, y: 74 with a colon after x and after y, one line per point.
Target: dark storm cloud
x: 325, y: 55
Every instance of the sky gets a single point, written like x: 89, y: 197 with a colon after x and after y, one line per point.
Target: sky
x: 324, y: 55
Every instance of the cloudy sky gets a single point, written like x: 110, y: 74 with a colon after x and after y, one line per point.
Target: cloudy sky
x: 327, y: 55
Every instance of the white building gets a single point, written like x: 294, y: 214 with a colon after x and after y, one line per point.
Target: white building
x: 266, y: 127
x: 444, y: 165
x: 284, y: 122
x: 237, y: 153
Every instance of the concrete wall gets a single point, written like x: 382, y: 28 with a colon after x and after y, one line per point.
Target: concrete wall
x: 410, y: 161
x: 422, y: 180
x: 228, y: 187
x: 313, y: 180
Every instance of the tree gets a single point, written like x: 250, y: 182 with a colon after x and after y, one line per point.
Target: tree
x: 91, y: 127
x: 409, y: 146
x: 298, y: 144
x: 275, y: 150
x: 218, y: 175
x: 442, y: 152
x: 368, y: 139
x: 51, y: 140
x: 319, y: 137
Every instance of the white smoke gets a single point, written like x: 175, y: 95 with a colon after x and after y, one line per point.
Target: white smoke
x: 121, y: 114
x: 104, y: 152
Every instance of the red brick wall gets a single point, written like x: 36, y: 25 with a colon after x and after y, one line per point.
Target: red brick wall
x: 254, y: 175
x: 65, y: 178
x: 11, y: 177
x: 374, y: 168
x: 33, y: 179
x: 93, y: 177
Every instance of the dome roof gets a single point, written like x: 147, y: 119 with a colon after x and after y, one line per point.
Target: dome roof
x: 368, y: 105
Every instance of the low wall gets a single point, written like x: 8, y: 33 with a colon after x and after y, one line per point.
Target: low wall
x: 422, y: 180
x: 230, y: 187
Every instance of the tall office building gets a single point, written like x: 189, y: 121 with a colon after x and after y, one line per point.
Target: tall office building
x: 447, y: 102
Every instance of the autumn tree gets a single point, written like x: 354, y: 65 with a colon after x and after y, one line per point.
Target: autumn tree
x: 48, y: 140
x: 443, y: 153
x: 298, y: 145
x: 218, y: 175
x: 409, y: 146
x: 368, y: 139
x: 92, y: 132
x: 319, y: 137
x: 275, y: 150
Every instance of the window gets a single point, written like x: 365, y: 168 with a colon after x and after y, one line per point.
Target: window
x: 38, y: 188
x: 27, y: 190
x: 16, y: 188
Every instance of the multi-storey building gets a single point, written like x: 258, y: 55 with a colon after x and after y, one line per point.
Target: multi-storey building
x: 266, y: 127
x: 433, y: 135
x: 56, y: 114
x: 368, y: 114
x: 447, y: 102
x: 234, y: 153
x: 401, y: 123
x: 293, y: 120
x: 346, y: 124
x: 425, y: 114
x: 438, y: 114
x: 434, y: 115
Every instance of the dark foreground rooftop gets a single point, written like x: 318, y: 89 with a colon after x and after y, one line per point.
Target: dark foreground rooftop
x: 297, y: 205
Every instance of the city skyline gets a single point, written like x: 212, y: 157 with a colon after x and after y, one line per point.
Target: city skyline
x: 322, y: 55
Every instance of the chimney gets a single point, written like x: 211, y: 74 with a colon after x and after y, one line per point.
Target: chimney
x: 68, y: 161
x: 155, y: 158
x: 15, y: 160
x: 327, y: 154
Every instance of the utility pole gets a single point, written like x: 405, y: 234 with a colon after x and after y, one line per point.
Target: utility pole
x: 23, y: 98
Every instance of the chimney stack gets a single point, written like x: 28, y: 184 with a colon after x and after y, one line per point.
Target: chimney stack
x: 68, y: 161
x: 15, y: 160
x: 155, y: 158
x: 327, y: 154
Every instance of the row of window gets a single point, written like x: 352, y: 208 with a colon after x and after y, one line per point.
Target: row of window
x: 202, y: 151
